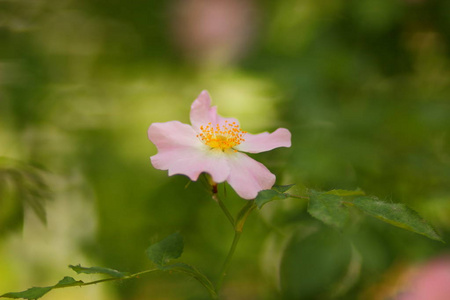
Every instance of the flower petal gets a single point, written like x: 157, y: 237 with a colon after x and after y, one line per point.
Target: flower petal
x: 172, y: 134
x: 202, y: 113
x: 256, y: 143
x: 181, y: 152
x: 248, y: 177
x: 192, y: 162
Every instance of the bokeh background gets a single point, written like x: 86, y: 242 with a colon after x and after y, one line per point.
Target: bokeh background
x: 363, y: 85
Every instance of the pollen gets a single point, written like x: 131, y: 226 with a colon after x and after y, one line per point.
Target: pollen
x: 222, y: 137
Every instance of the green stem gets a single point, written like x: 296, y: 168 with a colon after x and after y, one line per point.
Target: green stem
x: 224, y: 209
x: 193, y: 272
x: 243, y: 215
x: 201, y: 278
x: 136, y: 275
x: 227, y: 263
x: 238, y: 227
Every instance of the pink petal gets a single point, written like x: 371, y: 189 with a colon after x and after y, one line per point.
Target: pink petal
x: 181, y: 152
x: 192, y: 162
x: 172, y: 134
x: 202, y: 113
x: 221, y: 121
x: 248, y: 177
x: 432, y: 282
x: 256, y: 143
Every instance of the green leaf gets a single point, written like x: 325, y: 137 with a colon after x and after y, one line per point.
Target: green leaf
x: 29, y: 185
x: 31, y: 293
x: 68, y: 281
x: 328, y: 208
x: 282, y: 188
x: 396, y: 214
x: 38, y: 292
x: 276, y: 193
x: 169, y: 248
x: 97, y: 270
x: 331, y: 208
x: 266, y: 196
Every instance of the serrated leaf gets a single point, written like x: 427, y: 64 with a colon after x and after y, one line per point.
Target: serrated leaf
x: 396, y: 214
x: 38, y: 292
x: 266, y: 196
x: 27, y: 184
x: 282, y: 188
x: 31, y: 294
x: 328, y: 208
x: 97, y: 270
x: 169, y: 248
x: 68, y: 281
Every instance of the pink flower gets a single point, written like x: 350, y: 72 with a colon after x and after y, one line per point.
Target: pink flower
x: 431, y: 282
x: 214, y: 144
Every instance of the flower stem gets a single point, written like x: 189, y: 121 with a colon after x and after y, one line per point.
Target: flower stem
x: 224, y: 208
x: 81, y: 283
x: 238, y: 227
x: 227, y: 263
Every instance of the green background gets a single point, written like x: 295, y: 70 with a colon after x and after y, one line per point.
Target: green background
x: 363, y: 85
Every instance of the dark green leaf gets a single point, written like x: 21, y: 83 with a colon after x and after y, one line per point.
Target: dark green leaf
x: 11, y: 213
x: 31, y: 293
x: 26, y: 185
x: 328, y: 208
x: 68, y: 281
x: 97, y: 270
x: 267, y: 196
x: 396, y: 214
x: 38, y: 292
x: 169, y: 248
x: 282, y: 188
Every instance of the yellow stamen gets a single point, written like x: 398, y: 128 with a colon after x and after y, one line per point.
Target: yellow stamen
x: 223, y: 138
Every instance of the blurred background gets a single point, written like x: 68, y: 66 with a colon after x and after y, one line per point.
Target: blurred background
x: 363, y: 85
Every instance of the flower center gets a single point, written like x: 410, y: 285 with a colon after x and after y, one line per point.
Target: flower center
x: 223, y: 138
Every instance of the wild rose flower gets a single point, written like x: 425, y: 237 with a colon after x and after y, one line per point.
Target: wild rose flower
x: 429, y: 282
x: 214, y: 145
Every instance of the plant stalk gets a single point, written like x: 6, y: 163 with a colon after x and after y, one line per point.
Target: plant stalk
x: 224, y: 209
x: 238, y: 227
x: 227, y: 263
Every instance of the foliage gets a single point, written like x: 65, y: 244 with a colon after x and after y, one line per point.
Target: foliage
x: 329, y: 207
x: 159, y: 253
x: 21, y: 185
